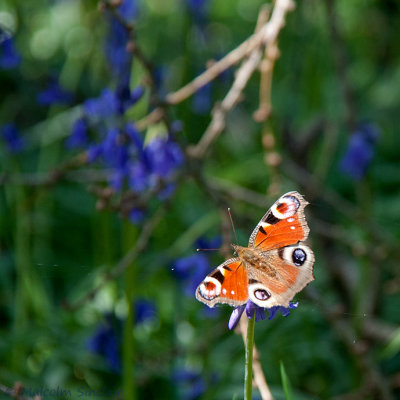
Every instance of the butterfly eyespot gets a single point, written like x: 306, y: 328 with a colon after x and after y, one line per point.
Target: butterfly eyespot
x: 299, y: 256
x: 261, y: 294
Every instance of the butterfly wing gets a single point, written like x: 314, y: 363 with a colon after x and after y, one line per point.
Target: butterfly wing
x: 284, y: 224
x: 228, y: 283
x: 279, y: 274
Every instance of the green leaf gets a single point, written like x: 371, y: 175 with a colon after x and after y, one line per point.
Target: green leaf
x: 393, y: 347
x: 286, y: 383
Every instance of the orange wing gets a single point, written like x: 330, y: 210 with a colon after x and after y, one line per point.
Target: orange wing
x: 228, y: 284
x: 284, y: 224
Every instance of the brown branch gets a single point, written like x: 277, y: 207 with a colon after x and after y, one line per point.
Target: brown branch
x: 268, y: 34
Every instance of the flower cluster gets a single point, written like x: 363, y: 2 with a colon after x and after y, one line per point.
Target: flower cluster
x: 360, y: 151
x: 134, y: 163
x: 259, y: 312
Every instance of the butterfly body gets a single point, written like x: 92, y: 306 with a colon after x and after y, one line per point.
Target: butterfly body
x: 273, y: 268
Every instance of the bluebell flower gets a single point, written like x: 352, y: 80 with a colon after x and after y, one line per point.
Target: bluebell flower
x: 54, y: 94
x: 192, y: 383
x: 144, y: 310
x: 139, y: 178
x: 128, y: 9
x: 11, y: 136
x: 360, y: 151
x: 105, y: 342
x: 259, y: 312
x: 164, y: 156
x: 94, y: 152
x: 135, y: 136
x: 103, y: 106
x: 79, y: 134
x: 115, y: 152
x: 118, y: 56
x: 9, y: 57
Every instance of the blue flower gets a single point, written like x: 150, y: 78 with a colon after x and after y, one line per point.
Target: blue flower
x: 192, y: 383
x: 111, y: 103
x: 144, y: 310
x: 118, y: 56
x: 79, y: 134
x: 360, y: 151
x: 105, y: 342
x: 12, y: 138
x: 252, y: 309
x: 9, y: 57
x: 54, y: 94
x: 128, y: 9
x: 164, y: 156
x: 139, y: 178
x: 94, y: 152
x: 103, y: 106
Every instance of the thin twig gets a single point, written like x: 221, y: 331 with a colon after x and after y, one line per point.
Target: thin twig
x: 268, y: 33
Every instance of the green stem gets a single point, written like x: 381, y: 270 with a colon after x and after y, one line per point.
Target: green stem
x: 128, y: 346
x: 248, y: 377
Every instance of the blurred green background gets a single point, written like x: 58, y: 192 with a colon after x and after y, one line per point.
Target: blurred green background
x: 81, y: 320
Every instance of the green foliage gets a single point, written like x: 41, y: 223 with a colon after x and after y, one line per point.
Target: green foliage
x: 70, y: 270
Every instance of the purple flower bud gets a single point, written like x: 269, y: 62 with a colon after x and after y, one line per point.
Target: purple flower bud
x: 235, y: 316
x: 283, y: 310
x: 252, y: 308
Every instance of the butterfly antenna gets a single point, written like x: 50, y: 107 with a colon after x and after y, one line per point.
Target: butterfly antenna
x: 233, y: 225
x: 208, y: 249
